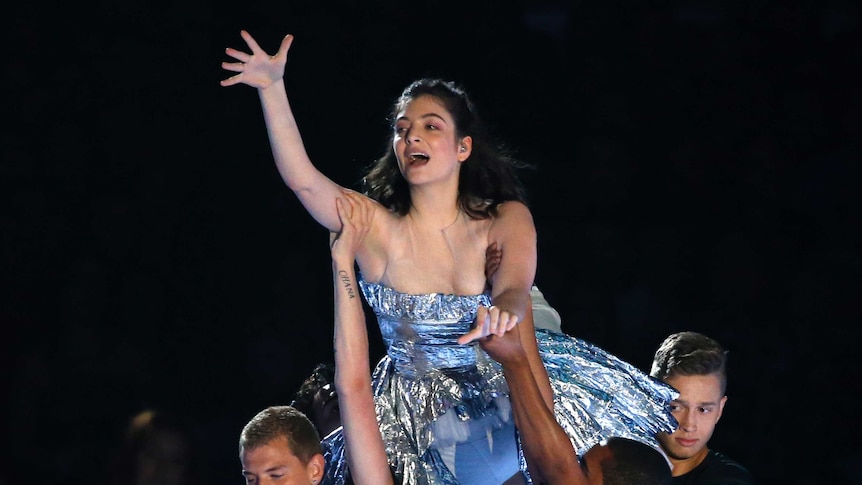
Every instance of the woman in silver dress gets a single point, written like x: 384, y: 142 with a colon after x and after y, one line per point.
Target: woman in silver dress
x: 443, y: 194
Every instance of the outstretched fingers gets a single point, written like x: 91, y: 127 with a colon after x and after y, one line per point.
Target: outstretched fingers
x: 250, y: 42
x: 237, y: 67
x: 285, y: 45
x: 257, y: 68
x: 241, y: 56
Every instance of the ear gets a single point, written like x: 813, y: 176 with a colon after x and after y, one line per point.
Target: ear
x: 315, y: 469
x: 465, y: 148
x: 721, y: 408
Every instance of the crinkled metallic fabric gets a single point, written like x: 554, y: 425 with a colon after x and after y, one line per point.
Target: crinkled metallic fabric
x: 426, y: 374
x: 428, y: 386
x: 598, y: 396
x: 335, y: 470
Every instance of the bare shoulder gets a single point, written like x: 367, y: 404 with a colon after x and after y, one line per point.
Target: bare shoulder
x: 373, y: 257
x: 514, y: 233
x: 383, y: 220
x: 513, y: 214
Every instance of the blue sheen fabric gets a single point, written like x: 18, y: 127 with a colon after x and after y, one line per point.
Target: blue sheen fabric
x: 432, y: 394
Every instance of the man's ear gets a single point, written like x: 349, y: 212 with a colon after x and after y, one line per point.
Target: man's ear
x: 315, y: 468
x: 465, y: 148
x: 721, y: 407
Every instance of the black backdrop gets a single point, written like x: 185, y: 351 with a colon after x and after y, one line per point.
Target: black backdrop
x: 693, y: 162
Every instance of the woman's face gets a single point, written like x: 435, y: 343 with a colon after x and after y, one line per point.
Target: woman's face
x: 426, y: 144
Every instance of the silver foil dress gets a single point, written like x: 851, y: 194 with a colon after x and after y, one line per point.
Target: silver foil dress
x: 428, y: 386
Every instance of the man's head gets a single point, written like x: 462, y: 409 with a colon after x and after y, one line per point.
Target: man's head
x: 158, y: 448
x: 695, y: 365
x: 622, y: 461
x: 317, y: 399
x: 281, y: 446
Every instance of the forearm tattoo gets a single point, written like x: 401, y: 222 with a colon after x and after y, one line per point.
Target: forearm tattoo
x: 347, y: 284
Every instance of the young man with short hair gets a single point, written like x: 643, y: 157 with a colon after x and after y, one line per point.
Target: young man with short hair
x: 696, y: 365
x: 280, y: 446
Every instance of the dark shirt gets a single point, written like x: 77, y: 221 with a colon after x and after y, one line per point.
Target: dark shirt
x: 716, y: 469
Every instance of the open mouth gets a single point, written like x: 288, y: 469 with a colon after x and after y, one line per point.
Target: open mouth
x: 418, y: 157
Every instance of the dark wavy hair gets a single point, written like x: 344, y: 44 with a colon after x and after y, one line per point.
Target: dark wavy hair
x: 322, y: 374
x: 487, y: 178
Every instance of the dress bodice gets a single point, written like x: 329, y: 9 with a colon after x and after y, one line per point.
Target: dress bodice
x: 421, y: 331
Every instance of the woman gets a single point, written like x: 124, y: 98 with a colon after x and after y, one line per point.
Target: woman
x: 444, y: 193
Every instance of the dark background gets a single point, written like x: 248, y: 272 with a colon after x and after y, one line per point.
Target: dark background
x: 694, y: 170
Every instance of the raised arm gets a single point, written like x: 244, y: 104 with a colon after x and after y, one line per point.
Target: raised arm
x: 366, y: 455
x: 547, y: 448
x: 266, y: 73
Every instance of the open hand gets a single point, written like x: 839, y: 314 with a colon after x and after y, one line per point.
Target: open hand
x: 257, y: 69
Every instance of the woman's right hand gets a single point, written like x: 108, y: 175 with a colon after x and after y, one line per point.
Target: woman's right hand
x: 356, y: 213
x: 258, y: 69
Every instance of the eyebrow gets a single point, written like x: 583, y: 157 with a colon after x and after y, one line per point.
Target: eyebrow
x: 424, y: 116
x: 702, y: 403
x: 246, y: 473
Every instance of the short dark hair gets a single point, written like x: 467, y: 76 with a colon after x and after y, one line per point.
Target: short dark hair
x: 690, y: 354
x: 282, y: 421
x: 635, y: 463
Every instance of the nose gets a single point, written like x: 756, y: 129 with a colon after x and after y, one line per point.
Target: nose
x: 686, y: 421
x: 411, y: 135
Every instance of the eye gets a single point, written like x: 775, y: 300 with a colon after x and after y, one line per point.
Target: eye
x: 675, y: 407
x: 429, y: 126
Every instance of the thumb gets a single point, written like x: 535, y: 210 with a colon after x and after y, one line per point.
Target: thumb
x: 285, y: 44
